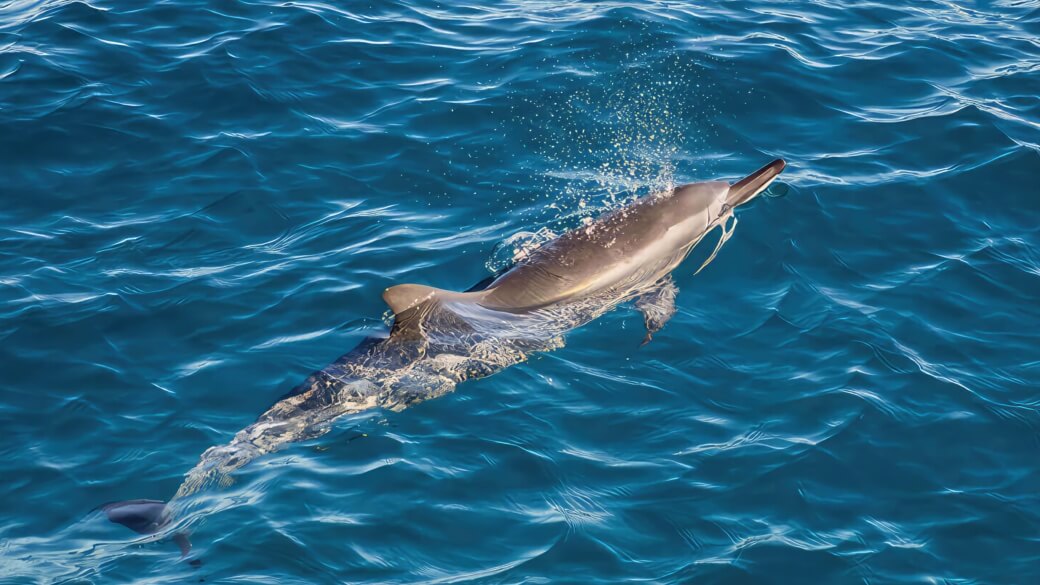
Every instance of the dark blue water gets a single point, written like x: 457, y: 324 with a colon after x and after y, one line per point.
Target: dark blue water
x: 203, y: 200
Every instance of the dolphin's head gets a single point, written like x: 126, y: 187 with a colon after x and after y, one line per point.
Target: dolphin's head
x: 691, y: 210
x: 717, y: 197
x: 701, y: 201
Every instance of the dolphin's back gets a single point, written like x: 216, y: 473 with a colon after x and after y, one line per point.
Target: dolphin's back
x: 636, y: 243
x: 581, y: 261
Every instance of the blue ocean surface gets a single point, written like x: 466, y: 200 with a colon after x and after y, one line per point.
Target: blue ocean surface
x: 202, y: 202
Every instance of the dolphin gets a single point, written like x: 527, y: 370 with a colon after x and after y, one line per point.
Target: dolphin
x: 440, y: 338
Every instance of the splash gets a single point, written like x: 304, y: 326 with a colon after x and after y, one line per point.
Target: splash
x: 727, y: 227
x: 517, y: 248
x: 627, y: 133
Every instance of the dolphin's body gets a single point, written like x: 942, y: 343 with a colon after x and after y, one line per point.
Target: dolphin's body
x: 440, y: 338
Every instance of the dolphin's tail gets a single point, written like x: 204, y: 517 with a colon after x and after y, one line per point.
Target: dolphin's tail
x: 154, y: 516
x: 145, y: 517
x: 745, y: 189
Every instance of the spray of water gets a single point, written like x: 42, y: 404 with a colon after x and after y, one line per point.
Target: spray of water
x: 620, y: 134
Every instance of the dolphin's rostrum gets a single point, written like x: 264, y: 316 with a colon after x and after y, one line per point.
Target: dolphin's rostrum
x: 440, y: 338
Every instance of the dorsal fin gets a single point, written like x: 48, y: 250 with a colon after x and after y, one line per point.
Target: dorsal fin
x: 402, y: 297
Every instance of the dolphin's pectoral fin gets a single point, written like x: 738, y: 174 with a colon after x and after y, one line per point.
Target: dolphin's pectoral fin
x: 657, y: 306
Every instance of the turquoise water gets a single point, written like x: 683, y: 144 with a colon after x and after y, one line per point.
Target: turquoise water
x: 202, y: 202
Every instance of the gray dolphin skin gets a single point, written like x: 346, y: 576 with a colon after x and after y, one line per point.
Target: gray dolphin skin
x: 440, y: 338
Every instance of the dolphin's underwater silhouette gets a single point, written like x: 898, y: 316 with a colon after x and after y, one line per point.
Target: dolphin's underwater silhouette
x: 440, y: 338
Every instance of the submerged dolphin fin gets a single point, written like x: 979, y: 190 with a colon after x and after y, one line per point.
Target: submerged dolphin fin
x: 657, y: 306
x: 141, y: 516
x: 146, y: 517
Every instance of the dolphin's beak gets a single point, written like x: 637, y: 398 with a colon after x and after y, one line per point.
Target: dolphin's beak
x: 745, y: 189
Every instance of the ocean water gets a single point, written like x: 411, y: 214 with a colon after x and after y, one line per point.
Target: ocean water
x: 203, y: 200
